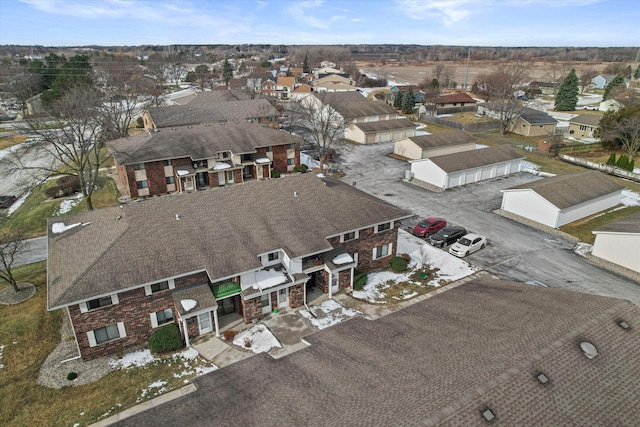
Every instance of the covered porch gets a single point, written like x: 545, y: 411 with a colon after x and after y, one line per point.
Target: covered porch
x: 197, y: 311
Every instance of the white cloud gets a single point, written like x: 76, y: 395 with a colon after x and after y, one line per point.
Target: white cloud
x: 447, y: 11
x: 299, y: 11
x: 261, y: 4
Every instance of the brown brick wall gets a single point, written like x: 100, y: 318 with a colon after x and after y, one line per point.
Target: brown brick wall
x: 274, y: 300
x: 155, y: 178
x: 296, y: 296
x: 124, y: 178
x: 344, y: 279
x: 133, y: 309
x: 280, y: 158
x: 251, y: 309
x: 365, y: 243
x: 237, y: 177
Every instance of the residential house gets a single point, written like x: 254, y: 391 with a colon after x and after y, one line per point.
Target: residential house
x: 562, y: 199
x: 321, y: 72
x: 467, y: 167
x: 418, y: 95
x: 542, y: 88
x: 364, y: 117
x: 300, y: 92
x: 602, y: 80
x: 333, y: 83
x: 186, y: 158
x: 525, y: 121
x: 285, y: 86
x: 456, y: 99
x: 584, y: 126
x: 204, y: 259
x: 269, y: 88
x: 437, y: 144
x: 251, y: 110
x: 618, y: 242
x: 609, y: 105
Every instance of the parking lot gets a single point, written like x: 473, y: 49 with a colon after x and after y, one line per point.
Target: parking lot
x: 515, y: 251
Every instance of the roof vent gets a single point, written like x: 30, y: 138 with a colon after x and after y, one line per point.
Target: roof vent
x: 589, y: 349
x: 118, y: 217
x: 488, y: 415
x: 177, y: 217
x: 295, y: 194
x: 624, y: 325
x: 542, y: 378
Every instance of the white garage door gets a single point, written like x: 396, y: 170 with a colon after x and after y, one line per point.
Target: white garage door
x: 503, y: 169
x: 486, y: 172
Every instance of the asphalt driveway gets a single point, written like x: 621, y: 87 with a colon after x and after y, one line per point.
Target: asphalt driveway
x: 515, y: 251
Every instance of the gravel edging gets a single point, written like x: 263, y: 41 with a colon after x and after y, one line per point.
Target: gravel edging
x: 536, y: 225
x: 9, y: 297
x: 613, y: 267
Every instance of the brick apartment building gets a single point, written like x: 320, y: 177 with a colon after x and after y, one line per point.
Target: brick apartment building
x: 187, y: 158
x: 204, y: 259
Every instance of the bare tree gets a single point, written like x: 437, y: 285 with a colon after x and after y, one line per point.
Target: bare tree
x: 157, y: 70
x: 12, y: 246
x: 438, y: 70
x: 627, y: 133
x: 499, y: 87
x: 447, y: 76
x: 175, y: 68
x: 70, y: 142
x: 586, y: 74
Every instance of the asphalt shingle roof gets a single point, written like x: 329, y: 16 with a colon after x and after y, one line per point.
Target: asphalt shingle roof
x: 443, y: 139
x: 456, y: 162
x: 454, y: 97
x: 568, y: 190
x: 587, y: 120
x: 630, y: 224
x: 352, y: 104
x: 385, y: 125
x: 198, y: 142
x: 220, y: 231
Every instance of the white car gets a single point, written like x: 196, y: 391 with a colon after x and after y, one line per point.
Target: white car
x: 468, y: 244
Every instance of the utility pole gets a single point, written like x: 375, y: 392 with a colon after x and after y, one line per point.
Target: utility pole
x: 466, y: 77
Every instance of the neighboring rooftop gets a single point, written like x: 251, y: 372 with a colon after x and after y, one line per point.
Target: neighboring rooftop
x: 198, y: 142
x: 630, y: 224
x: 454, y: 97
x: 220, y: 231
x: 568, y: 190
x: 475, y: 158
x: 442, y: 361
x: 443, y: 139
x: 352, y: 104
x: 587, y: 120
x: 216, y: 96
x: 384, y: 125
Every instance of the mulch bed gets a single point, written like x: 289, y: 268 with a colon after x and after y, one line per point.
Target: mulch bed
x: 8, y: 296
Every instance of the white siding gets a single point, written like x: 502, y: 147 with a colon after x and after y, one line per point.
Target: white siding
x: 582, y: 210
x: 615, y: 247
x: 428, y: 172
x: 354, y: 134
x: 441, y: 151
x: 407, y: 148
x: 531, y: 205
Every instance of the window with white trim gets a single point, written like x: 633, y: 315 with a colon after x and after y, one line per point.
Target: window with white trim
x: 166, y: 162
x: 142, y: 184
x: 99, y: 303
x: 106, y: 334
x: 273, y: 256
x: 138, y: 166
x: 170, y: 180
x: 291, y: 162
x: 382, y: 251
x: 159, y: 287
x: 383, y: 227
x: 161, y: 317
x: 352, y: 235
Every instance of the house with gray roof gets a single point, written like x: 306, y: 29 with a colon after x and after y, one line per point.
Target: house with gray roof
x: 436, y: 144
x: 525, y: 121
x: 562, y: 199
x: 203, y: 259
x: 584, y: 126
x: 467, y: 167
x: 619, y: 242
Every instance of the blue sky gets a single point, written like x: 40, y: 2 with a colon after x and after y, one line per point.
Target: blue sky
x: 427, y: 22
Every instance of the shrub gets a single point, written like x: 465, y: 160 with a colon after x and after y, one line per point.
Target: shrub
x: 631, y: 166
x: 275, y: 174
x: 300, y: 168
x: 359, y: 279
x: 406, y: 257
x: 140, y: 122
x: 398, y: 263
x: 229, y: 334
x: 53, y: 191
x: 623, y: 161
x: 612, y: 159
x: 72, y: 376
x: 69, y: 184
x: 165, y: 338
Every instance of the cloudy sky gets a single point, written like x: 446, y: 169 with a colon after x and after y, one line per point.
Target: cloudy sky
x: 426, y: 22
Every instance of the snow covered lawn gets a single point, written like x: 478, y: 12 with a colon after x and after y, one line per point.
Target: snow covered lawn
x: 440, y: 268
x: 328, y: 313
x: 258, y: 339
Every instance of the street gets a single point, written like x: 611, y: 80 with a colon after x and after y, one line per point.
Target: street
x: 515, y: 251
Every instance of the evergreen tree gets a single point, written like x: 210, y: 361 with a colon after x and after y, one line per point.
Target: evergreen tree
x: 567, y: 96
x: 474, y: 88
x: 637, y: 73
x: 305, y: 64
x: 434, y: 84
x: 612, y: 160
x: 408, y: 101
x: 227, y: 72
x: 617, y: 81
x: 397, y: 100
x: 623, y: 161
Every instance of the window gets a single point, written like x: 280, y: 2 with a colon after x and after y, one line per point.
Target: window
x: 230, y: 176
x: 158, y: 287
x: 383, y: 227
x: 349, y: 236
x: 291, y: 162
x: 170, y: 180
x: 269, y: 149
x: 382, y: 251
x: 141, y: 184
x: 107, y: 333
x: 291, y: 147
x: 100, y: 302
x: 166, y: 162
x: 163, y: 316
x: 273, y: 256
x: 139, y: 166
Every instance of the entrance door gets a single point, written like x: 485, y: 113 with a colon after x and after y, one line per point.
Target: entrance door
x: 335, y: 283
x: 201, y: 180
x: 221, y: 178
x: 266, y: 304
x: 259, y: 171
x: 204, y: 322
x: 283, y: 298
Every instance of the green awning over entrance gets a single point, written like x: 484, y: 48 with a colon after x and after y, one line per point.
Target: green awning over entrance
x: 226, y: 289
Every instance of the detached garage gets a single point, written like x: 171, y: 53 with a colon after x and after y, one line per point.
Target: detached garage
x: 619, y: 241
x: 453, y: 170
x: 380, y: 131
x: 562, y: 199
x: 437, y: 144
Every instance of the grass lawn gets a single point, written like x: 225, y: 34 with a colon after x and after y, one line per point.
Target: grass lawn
x: 38, y: 207
x: 10, y: 141
x: 582, y: 228
x: 35, y: 332
x: 469, y: 117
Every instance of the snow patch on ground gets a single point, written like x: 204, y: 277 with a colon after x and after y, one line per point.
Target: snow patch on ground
x: 14, y: 207
x: 328, y: 313
x: 534, y: 169
x: 136, y: 358
x: 1, y: 348
x: 630, y: 198
x: 68, y: 204
x: 259, y: 339
x: 153, y: 389
x: 583, y: 249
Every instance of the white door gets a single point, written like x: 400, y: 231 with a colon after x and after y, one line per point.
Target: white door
x: 283, y: 298
x: 204, y: 322
x: 220, y: 178
x: 259, y: 171
x: 266, y: 304
x: 334, y: 283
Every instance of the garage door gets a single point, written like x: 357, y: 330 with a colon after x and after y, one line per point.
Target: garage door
x: 471, y: 177
x: 456, y: 179
x: 503, y: 169
x: 487, y: 172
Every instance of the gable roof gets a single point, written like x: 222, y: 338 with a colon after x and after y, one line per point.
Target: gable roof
x: 454, y: 97
x: 302, y: 88
x: 182, y: 115
x: 630, y: 224
x: 443, y: 139
x: 587, y: 120
x: 286, y: 81
x: 530, y: 115
x: 198, y: 142
x: 564, y: 191
x: 456, y: 162
x: 537, y: 118
x: 384, y: 125
x: 215, y: 96
x: 352, y: 104
x: 220, y: 231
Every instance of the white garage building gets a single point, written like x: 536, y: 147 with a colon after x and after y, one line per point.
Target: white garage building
x: 562, y: 199
x: 619, y: 242
x: 437, y: 144
x: 453, y: 170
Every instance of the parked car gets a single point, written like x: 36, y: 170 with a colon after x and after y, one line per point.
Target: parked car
x: 7, y: 201
x: 467, y: 245
x: 429, y: 226
x: 446, y: 236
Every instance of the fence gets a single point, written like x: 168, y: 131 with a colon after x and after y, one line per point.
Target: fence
x: 458, y: 125
x: 612, y: 170
x: 580, y: 148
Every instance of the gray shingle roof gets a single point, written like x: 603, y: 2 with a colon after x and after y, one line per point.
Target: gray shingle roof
x: 440, y: 362
x: 568, y: 190
x: 216, y: 96
x: 530, y: 115
x: 630, y: 224
x: 456, y: 162
x: 220, y: 231
x: 586, y: 119
x: 352, y: 104
x: 197, y: 142
x: 385, y: 125
x: 211, y: 112
x: 443, y: 139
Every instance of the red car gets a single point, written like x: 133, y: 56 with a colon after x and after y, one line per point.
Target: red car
x: 429, y: 226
